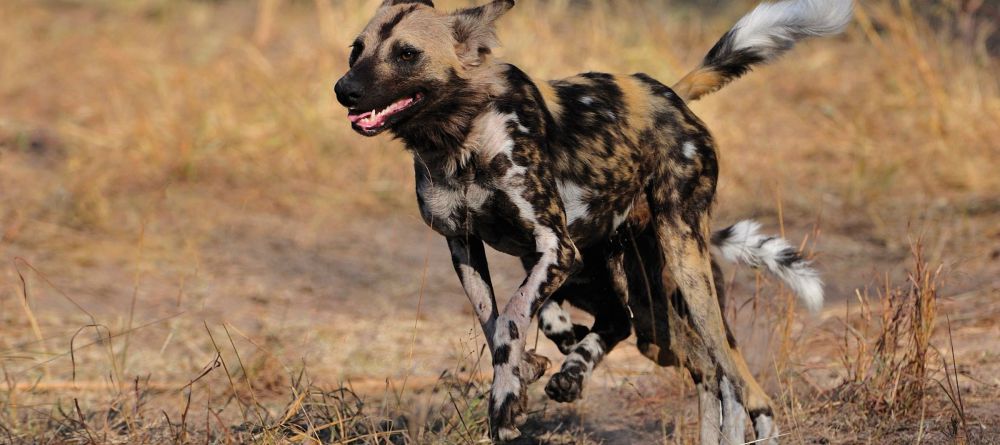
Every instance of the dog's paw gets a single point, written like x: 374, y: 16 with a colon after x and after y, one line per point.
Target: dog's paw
x: 505, y: 416
x: 532, y: 367
x: 565, y: 386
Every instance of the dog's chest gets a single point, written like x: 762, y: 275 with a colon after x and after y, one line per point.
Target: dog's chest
x: 465, y: 207
x: 448, y: 205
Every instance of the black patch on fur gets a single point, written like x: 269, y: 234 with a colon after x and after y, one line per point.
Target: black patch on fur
x: 514, y: 333
x: 403, y: 2
x: 757, y: 412
x: 581, y: 122
x: 356, y: 49
x: 730, y: 63
x: 501, y: 355
x: 386, y: 30
x: 765, y: 240
x: 655, y: 86
x: 722, y: 236
x: 500, y: 164
x: 788, y: 257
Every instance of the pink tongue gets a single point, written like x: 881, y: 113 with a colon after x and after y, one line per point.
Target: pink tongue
x: 360, y: 119
x: 354, y: 118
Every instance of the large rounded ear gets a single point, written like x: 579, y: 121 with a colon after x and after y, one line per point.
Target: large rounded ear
x: 475, y: 30
x: 388, y: 3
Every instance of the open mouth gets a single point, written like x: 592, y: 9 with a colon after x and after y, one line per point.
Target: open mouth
x: 374, y: 121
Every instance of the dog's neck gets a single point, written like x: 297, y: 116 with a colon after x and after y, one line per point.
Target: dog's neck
x: 439, y: 138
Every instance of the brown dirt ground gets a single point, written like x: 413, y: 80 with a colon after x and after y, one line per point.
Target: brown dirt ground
x: 388, y: 307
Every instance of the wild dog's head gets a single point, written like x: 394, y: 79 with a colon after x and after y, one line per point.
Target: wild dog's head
x: 411, y: 61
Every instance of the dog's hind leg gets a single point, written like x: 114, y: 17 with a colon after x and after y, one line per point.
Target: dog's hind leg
x: 602, y: 293
x: 680, y: 197
x: 689, y: 263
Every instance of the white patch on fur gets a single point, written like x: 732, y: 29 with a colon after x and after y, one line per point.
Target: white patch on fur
x: 574, y: 200
x: 441, y: 202
x: 520, y: 127
x: 611, y: 115
x: 504, y: 386
x: 554, y: 319
x: 745, y: 244
x: 710, y: 409
x: 734, y: 416
x: 690, y: 150
x: 592, y: 344
x: 767, y: 432
x: 620, y: 218
x: 480, y: 295
x: 489, y: 135
x: 772, y: 28
x: 587, y: 100
x: 476, y: 196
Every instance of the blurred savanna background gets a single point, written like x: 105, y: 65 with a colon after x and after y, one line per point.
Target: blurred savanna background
x: 196, y: 248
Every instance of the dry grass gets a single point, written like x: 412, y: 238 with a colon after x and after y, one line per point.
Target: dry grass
x: 178, y: 188
x: 888, y: 369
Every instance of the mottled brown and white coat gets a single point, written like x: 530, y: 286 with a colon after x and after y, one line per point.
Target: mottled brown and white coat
x: 601, y: 184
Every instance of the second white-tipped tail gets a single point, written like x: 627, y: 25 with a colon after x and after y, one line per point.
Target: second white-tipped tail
x: 742, y: 242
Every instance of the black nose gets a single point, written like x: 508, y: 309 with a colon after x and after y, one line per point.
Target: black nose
x: 348, y: 91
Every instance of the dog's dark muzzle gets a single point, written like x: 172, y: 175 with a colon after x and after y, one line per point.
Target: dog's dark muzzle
x: 349, y: 91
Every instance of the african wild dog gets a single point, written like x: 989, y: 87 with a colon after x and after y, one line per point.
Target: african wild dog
x: 599, y: 177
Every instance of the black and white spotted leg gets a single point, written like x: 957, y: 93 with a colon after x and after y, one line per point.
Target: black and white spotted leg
x: 567, y: 384
x: 469, y: 258
x: 555, y: 262
x: 468, y: 255
x: 608, y: 292
x: 557, y: 326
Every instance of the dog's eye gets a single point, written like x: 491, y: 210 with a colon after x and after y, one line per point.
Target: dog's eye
x: 409, y: 55
x: 356, y: 50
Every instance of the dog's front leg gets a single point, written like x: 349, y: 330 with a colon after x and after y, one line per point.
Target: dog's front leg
x: 469, y: 257
x: 513, y: 367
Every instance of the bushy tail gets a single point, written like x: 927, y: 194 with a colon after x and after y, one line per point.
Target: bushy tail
x: 743, y: 243
x: 761, y: 36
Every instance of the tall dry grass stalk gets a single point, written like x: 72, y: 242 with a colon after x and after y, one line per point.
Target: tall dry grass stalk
x: 887, y: 349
